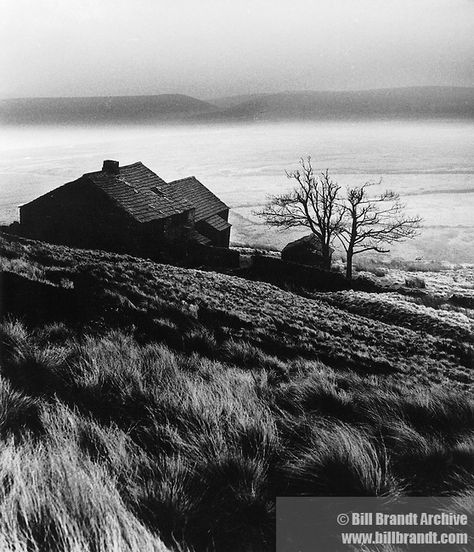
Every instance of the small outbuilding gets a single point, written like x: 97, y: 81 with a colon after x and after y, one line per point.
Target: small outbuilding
x: 306, y: 251
x: 129, y: 209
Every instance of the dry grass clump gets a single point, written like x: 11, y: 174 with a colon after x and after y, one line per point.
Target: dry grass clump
x: 52, y: 499
x: 337, y: 460
x: 19, y: 413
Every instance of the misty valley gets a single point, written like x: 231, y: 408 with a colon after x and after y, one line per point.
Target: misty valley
x: 429, y: 162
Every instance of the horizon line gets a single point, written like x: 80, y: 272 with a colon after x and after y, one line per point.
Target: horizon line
x: 207, y: 99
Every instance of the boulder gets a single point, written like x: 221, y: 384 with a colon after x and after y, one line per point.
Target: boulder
x: 306, y: 251
x: 415, y: 282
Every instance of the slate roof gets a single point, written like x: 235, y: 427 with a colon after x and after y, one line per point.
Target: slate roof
x: 138, y: 190
x: 202, y: 199
x: 217, y: 222
x: 146, y: 196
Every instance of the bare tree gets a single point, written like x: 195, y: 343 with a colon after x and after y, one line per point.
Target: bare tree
x: 373, y: 224
x: 313, y: 203
x: 359, y: 222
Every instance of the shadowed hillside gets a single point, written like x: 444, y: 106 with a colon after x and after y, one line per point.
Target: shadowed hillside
x: 416, y: 102
x: 106, y: 109
x: 187, y: 400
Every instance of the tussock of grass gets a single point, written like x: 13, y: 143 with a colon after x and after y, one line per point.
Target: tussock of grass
x: 361, y: 401
x: 52, y: 500
x: 431, y: 468
x: 338, y: 460
x: 19, y: 413
x: 21, y: 266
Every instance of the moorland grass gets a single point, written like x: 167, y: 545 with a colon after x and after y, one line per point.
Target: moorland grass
x: 176, y: 413
x: 189, y: 450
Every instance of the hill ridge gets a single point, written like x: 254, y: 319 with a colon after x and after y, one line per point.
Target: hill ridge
x: 408, y: 102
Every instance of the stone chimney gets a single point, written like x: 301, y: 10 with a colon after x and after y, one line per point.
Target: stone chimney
x: 110, y: 167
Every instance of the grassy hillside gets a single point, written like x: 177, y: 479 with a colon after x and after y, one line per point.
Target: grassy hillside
x: 152, y: 406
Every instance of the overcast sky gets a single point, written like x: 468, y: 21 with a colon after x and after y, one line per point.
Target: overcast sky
x: 210, y: 48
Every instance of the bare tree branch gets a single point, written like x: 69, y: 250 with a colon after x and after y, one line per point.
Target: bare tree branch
x: 313, y: 203
x: 361, y: 223
x: 370, y: 224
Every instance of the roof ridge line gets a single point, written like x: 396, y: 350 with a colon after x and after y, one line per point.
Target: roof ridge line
x: 120, y: 167
x: 133, y: 164
x: 182, y: 179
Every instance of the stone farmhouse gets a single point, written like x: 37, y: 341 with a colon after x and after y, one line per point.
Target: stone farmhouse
x: 129, y: 209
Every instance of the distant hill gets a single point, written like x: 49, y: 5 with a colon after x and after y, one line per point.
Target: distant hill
x: 393, y: 102
x: 418, y: 102
x: 107, y: 109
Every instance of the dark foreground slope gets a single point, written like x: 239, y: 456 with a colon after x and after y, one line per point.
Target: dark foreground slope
x: 165, y: 404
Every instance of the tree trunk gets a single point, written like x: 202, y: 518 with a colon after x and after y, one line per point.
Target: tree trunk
x: 326, y: 253
x: 350, y: 256
x: 351, y: 244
